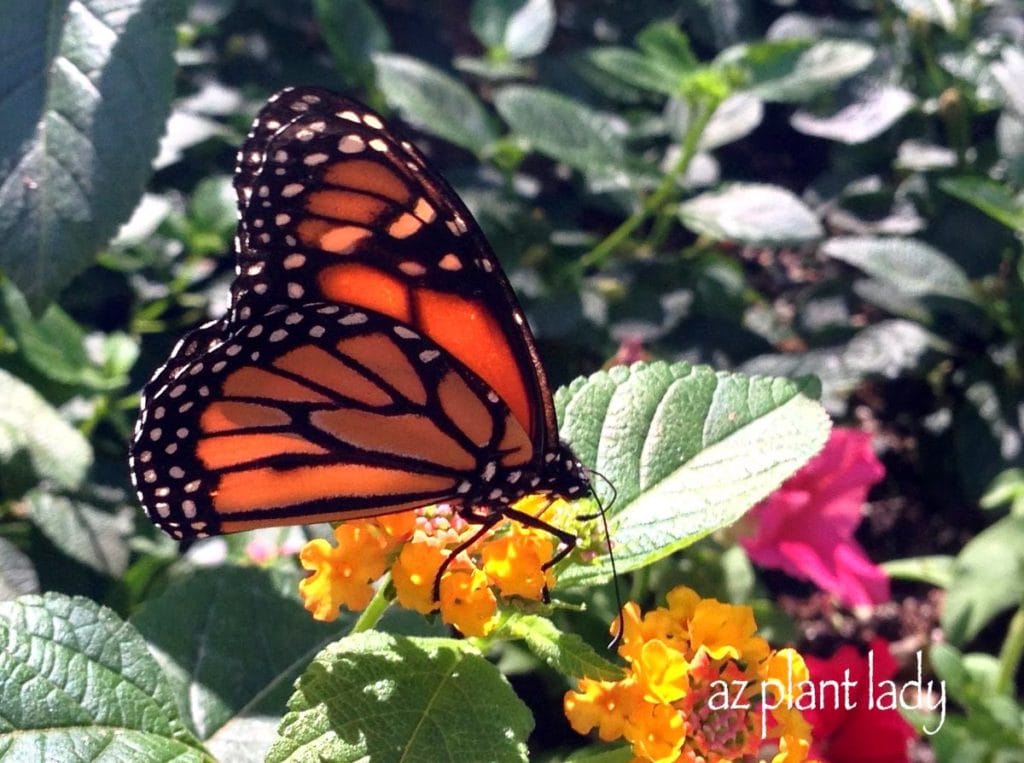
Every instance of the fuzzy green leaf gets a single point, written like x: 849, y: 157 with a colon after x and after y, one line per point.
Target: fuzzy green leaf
x: 988, y: 577
x: 231, y: 640
x: 88, y: 87
x: 17, y: 575
x: 354, y: 31
x: 689, y: 450
x: 797, y: 70
x: 561, y: 128
x: 55, y: 450
x: 992, y: 198
x: 78, y: 684
x: 912, y: 267
x: 88, y: 534
x: 567, y: 653
x: 434, y: 101
x: 752, y: 213
x: 375, y: 696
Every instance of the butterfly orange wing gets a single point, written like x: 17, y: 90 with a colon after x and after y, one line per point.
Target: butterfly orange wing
x: 316, y: 413
x: 335, y: 207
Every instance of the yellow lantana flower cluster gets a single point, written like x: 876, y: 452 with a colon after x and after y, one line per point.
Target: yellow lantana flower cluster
x: 507, y: 561
x: 700, y: 687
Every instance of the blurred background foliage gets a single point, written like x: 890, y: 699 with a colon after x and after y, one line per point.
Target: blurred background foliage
x: 783, y: 187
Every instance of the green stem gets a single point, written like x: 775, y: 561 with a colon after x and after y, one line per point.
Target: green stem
x: 1010, y: 653
x: 666, y: 188
x: 378, y: 605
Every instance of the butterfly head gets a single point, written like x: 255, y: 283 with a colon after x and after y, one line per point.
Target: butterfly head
x: 563, y: 474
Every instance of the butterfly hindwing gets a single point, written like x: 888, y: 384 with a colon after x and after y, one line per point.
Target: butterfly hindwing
x: 315, y: 413
x: 335, y: 207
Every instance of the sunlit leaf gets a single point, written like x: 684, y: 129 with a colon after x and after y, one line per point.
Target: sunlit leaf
x: 77, y: 683
x: 375, y: 696
x: 87, y: 86
x: 687, y: 449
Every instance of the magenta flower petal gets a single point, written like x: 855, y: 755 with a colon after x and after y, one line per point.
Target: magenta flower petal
x: 806, y: 527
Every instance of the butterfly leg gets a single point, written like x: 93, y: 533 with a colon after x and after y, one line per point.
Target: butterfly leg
x: 566, y: 540
x: 486, y: 522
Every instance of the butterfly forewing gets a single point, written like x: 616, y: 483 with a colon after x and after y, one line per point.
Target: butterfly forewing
x: 317, y: 413
x: 374, y: 358
x: 335, y: 207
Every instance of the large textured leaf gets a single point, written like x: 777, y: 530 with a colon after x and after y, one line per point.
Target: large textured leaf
x: 752, y: 213
x: 379, y: 697
x: 434, y: 101
x: 231, y: 640
x: 55, y: 450
x: 689, y: 450
x: 77, y: 684
x: 86, y: 87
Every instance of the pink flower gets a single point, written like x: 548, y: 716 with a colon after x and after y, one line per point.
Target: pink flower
x: 851, y: 730
x: 805, y: 528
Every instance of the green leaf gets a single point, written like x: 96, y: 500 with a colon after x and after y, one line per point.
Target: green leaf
x: 635, y: 69
x: 561, y: 128
x: 797, y: 70
x: 53, y: 344
x: 530, y: 28
x: 17, y: 575
x: 434, y: 101
x: 88, y: 88
x: 56, y: 451
x: 566, y: 653
x: 935, y: 570
x: 489, y: 18
x: 666, y: 43
x: 96, y: 538
x: 752, y: 213
x: 245, y: 739
x: 1006, y: 488
x: 888, y: 348
x: 992, y: 198
x: 1009, y: 73
x: 735, y: 118
x: 873, y: 112
x: 375, y: 696
x: 354, y: 32
x: 78, y: 684
x: 231, y: 641
x: 913, y: 267
x: 688, y: 450
x: 939, y: 12
x: 988, y: 578
x: 603, y: 754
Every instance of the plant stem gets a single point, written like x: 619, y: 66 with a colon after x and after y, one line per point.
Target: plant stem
x: 702, y: 111
x: 378, y: 605
x: 1010, y: 653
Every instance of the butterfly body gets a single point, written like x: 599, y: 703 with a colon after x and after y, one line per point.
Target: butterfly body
x: 374, y: 358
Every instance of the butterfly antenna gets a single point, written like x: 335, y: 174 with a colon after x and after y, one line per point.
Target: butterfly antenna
x: 602, y: 512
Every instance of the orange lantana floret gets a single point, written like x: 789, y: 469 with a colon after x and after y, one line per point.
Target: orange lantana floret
x: 508, y: 560
x: 343, y: 574
x: 697, y: 673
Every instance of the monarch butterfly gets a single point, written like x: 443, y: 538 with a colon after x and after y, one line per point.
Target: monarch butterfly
x: 374, y: 358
